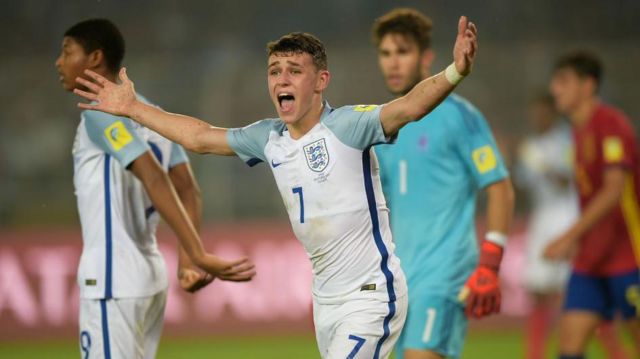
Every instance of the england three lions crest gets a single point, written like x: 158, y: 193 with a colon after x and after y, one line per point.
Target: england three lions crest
x: 317, y: 155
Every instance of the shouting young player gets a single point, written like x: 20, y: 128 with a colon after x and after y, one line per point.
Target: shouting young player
x: 431, y: 177
x: 605, y: 279
x: 327, y: 176
x: 124, y: 175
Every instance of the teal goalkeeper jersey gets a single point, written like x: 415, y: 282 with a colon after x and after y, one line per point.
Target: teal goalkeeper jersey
x: 430, y: 178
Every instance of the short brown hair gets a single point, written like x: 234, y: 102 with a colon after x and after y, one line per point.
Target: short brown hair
x: 583, y: 62
x: 404, y: 21
x: 299, y: 43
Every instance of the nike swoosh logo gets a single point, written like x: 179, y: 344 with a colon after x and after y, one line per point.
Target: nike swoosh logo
x: 274, y: 165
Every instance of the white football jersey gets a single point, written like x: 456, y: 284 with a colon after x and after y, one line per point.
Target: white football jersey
x: 120, y: 257
x: 541, y: 160
x: 330, y: 185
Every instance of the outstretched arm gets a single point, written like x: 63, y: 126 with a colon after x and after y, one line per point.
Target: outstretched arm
x: 120, y: 99
x: 427, y: 94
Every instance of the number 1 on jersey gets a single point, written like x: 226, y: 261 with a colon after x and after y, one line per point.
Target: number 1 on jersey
x: 298, y: 190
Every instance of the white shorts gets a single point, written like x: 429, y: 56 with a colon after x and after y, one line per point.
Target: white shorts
x: 127, y: 328
x: 360, y: 328
x: 540, y: 275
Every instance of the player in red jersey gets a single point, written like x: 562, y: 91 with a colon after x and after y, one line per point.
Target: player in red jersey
x: 606, y: 238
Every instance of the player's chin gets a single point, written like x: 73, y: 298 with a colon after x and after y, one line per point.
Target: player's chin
x: 68, y: 85
x: 397, y: 90
x: 288, y: 118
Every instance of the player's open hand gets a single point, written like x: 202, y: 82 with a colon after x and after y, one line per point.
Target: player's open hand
x: 192, y: 280
x: 240, y: 270
x: 466, y: 46
x: 481, y: 293
x: 106, y: 96
x: 559, y: 249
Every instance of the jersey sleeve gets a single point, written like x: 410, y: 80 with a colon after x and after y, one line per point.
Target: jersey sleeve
x: 477, y: 147
x: 115, y: 136
x: 357, y: 126
x: 383, y: 155
x: 249, y: 142
x: 178, y: 155
x: 616, y: 143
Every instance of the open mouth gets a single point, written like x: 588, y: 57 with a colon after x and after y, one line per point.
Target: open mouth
x: 286, y: 101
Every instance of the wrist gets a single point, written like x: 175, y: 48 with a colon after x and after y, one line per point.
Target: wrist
x: 134, y: 109
x: 491, y: 251
x: 452, y: 75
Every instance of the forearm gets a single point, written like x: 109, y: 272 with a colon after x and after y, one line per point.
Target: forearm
x: 166, y: 201
x: 193, y: 205
x: 428, y: 94
x: 193, y: 134
x: 420, y: 101
x: 601, y: 205
x: 500, y: 205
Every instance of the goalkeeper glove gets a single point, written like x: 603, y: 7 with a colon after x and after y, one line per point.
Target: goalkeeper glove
x: 482, y: 290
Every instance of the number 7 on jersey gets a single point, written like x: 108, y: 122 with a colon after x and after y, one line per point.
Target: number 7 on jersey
x: 298, y: 191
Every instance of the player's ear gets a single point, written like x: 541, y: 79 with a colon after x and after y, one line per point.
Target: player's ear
x: 95, y: 59
x: 323, y: 80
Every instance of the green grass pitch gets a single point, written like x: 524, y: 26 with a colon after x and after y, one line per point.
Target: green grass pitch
x: 480, y: 345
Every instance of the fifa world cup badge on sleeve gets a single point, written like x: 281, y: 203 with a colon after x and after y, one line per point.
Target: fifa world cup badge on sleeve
x: 484, y: 159
x: 117, y: 135
x: 364, y: 108
x: 613, y: 150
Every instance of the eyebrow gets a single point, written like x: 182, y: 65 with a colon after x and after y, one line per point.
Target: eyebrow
x: 277, y: 62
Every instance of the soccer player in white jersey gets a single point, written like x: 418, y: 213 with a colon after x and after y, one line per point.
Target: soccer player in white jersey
x: 124, y: 175
x: 328, y: 178
x: 545, y: 171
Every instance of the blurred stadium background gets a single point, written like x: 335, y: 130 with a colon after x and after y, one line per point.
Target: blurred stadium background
x: 207, y: 58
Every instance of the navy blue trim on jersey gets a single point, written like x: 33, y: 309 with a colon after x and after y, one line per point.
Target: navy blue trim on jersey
x: 105, y: 329
x: 149, y: 211
x: 156, y: 151
x: 254, y: 161
x: 108, y: 293
x: 384, y: 262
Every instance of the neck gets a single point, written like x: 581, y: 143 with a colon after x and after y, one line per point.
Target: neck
x: 307, y: 121
x: 582, y: 113
x: 110, y: 76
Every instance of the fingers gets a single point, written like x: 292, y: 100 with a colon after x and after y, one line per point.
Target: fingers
x: 96, y: 77
x: 237, y: 262
x: 87, y: 106
x: 88, y: 95
x: 243, y: 267
x: 239, y: 277
x: 88, y: 84
x: 462, y: 25
x: 192, y: 281
x: 473, y: 28
x: 123, y: 75
x: 240, y: 270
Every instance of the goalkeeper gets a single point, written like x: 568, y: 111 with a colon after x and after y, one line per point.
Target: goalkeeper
x: 430, y: 178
